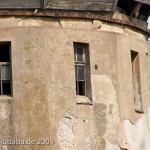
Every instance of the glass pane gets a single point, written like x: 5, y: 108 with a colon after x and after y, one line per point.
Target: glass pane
x: 75, y: 52
x: 77, y: 88
x: 5, y: 71
x: 80, y: 52
x: 80, y: 71
x: 76, y: 72
x: 6, y: 88
x: 4, y: 53
x: 81, y: 88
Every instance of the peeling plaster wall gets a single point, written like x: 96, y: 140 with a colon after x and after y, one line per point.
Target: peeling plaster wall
x: 44, y: 98
x: 65, y: 132
x: 106, y: 106
x: 138, y: 134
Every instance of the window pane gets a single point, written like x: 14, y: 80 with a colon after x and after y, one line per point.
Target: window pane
x: 80, y: 53
x: 5, y: 71
x: 77, y: 87
x: 76, y: 71
x: 81, y: 86
x: 4, y: 53
x: 6, y: 86
x: 75, y: 52
x: 80, y: 72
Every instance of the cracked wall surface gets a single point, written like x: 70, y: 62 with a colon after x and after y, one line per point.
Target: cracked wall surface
x: 44, y: 103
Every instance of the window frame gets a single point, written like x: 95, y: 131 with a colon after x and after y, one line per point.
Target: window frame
x: 77, y: 65
x: 87, y: 75
x: 5, y: 80
x: 136, y: 81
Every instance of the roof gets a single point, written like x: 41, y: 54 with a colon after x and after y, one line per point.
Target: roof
x: 147, y: 2
x: 15, y: 4
x: 94, y: 5
x: 90, y: 5
x: 85, y: 5
x: 88, y: 9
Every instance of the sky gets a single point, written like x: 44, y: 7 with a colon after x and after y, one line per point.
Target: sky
x: 148, y: 27
x: 148, y: 21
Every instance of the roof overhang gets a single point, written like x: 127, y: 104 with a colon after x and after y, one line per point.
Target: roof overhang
x: 84, y: 5
x: 147, y: 2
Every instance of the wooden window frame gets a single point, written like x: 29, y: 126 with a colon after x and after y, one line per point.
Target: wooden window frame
x: 86, y: 64
x: 136, y: 79
x: 7, y: 63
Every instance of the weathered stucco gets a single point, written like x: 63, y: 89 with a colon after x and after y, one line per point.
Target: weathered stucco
x: 65, y: 132
x: 44, y: 103
x: 138, y: 134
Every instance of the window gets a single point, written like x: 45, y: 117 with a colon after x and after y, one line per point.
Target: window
x: 5, y: 69
x: 136, y: 81
x: 82, y: 69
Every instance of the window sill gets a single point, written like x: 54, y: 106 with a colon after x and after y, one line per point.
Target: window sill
x: 5, y: 97
x: 139, y: 111
x: 83, y: 100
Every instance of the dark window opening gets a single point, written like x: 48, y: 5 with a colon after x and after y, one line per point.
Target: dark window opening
x: 80, y: 87
x: 134, y: 9
x: 133, y: 56
x: 144, y: 12
x: 136, y: 81
x: 5, y: 69
x: 82, y: 69
x: 4, y: 53
x: 6, y: 86
x: 125, y: 6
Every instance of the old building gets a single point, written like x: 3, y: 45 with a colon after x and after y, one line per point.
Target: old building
x: 75, y: 75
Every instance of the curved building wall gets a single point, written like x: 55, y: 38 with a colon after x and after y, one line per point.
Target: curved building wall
x: 44, y: 104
